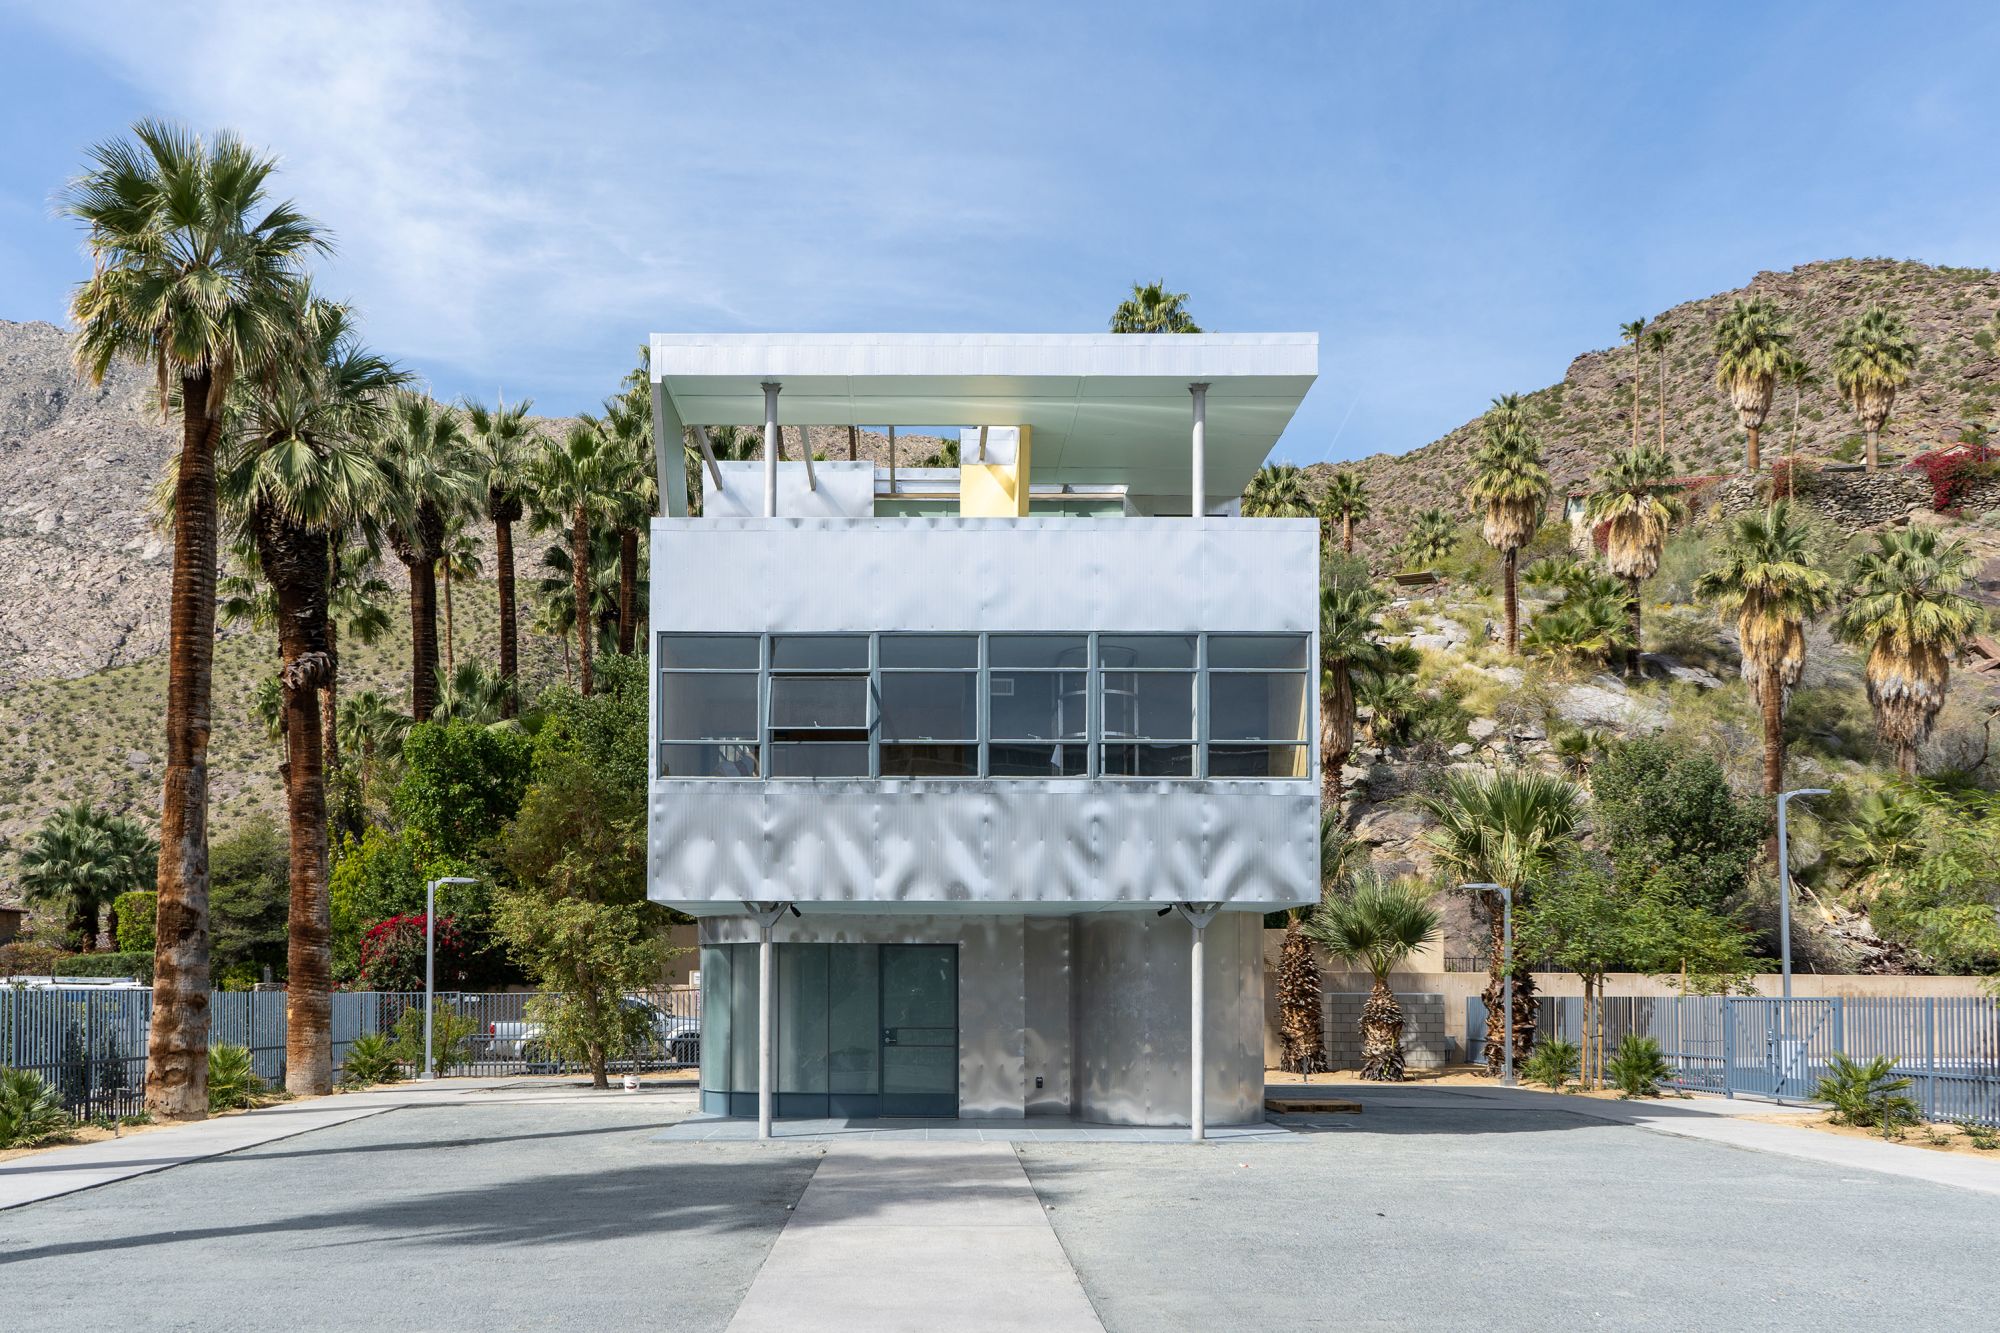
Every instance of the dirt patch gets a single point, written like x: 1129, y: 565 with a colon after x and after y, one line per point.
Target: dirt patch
x: 81, y: 1134
x: 1931, y: 1138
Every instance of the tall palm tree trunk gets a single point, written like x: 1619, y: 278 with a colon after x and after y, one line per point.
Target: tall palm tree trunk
x: 450, y: 637
x: 1663, y: 400
x: 294, y: 558
x: 329, y: 703
x: 423, y: 639
x: 1874, y: 437
x: 628, y: 588
x: 177, y: 1040
x: 1638, y: 366
x: 1382, y: 1035
x: 510, y: 662
x: 1336, y: 738
x: 1509, y: 559
x: 1632, y: 653
x: 579, y: 554
x: 1751, y: 458
x: 1771, y: 703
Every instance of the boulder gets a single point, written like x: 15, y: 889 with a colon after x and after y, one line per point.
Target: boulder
x: 1596, y: 705
x: 1481, y: 729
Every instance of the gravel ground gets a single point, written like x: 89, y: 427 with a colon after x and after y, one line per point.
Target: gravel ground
x: 528, y: 1216
x: 1421, y: 1217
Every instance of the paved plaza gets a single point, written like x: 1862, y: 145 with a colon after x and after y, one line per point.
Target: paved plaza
x: 546, y: 1206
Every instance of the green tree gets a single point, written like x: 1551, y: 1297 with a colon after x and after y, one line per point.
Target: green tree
x: 1380, y: 923
x: 193, y: 268
x: 461, y: 782
x: 1510, y: 829
x: 606, y: 731
x: 458, y: 562
x: 1509, y: 489
x: 1636, y: 503
x: 1151, y: 308
x: 1751, y: 347
x: 573, y: 481
x: 1904, y: 606
x: 422, y: 456
x: 633, y: 498
x: 1345, y: 502
x: 1873, y: 358
x: 500, y: 444
x: 1665, y: 815
x: 252, y: 904
x: 1796, y: 373
x: 1349, y: 645
x: 1433, y: 536
x: 1277, y: 491
x: 1765, y: 576
x: 83, y: 859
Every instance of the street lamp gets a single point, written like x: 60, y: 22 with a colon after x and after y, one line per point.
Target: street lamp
x: 1785, y: 884
x: 430, y: 961
x: 1506, y: 977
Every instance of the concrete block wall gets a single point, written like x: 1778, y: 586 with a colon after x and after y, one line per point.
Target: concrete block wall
x: 1423, y: 1028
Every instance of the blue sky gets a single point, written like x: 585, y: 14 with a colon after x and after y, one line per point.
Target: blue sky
x: 1458, y: 199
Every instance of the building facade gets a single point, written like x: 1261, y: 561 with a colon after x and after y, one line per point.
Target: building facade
x: 980, y: 780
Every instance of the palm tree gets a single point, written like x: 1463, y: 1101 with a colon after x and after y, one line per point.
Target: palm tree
x: 470, y: 694
x: 84, y: 858
x: 459, y: 560
x: 1659, y: 340
x: 1381, y: 923
x: 1433, y: 535
x: 571, y: 481
x: 422, y: 457
x: 1634, y: 332
x: 357, y: 609
x: 297, y: 472
x: 1509, y: 829
x: 499, y: 445
x: 1766, y: 575
x: 1151, y: 308
x: 1347, y: 646
x: 1509, y: 487
x: 370, y: 726
x: 1277, y: 491
x: 193, y: 265
x: 1905, y: 607
x: 1795, y: 372
x: 1345, y: 500
x: 632, y: 495
x: 1637, y: 504
x: 1750, y: 346
x: 1871, y: 361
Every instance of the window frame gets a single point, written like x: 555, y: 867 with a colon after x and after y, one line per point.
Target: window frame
x: 870, y: 706
x: 755, y: 741
x: 976, y: 672
x: 1309, y: 698
x: 1088, y: 670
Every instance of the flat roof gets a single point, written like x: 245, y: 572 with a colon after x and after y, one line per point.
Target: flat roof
x: 1105, y: 407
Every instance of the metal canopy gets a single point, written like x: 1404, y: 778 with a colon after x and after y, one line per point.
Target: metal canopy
x: 1105, y: 408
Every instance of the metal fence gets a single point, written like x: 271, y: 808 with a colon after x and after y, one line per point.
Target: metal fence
x: 1756, y: 1046
x: 89, y: 1042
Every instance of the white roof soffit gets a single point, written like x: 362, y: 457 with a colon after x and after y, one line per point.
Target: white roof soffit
x: 1105, y: 407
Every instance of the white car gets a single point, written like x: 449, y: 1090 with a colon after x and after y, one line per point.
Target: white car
x: 676, y: 1037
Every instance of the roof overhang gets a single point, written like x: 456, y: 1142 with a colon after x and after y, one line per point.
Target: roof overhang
x: 1105, y: 407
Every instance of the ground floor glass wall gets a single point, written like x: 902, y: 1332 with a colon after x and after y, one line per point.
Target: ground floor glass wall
x: 858, y: 1029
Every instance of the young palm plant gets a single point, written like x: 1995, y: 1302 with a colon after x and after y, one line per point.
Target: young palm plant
x: 1751, y: 345
x: 1277, y: 491
x: 82, y: 858
x: 193, y: 267
x: 1904, y: 606
x: 422, y: 456
x: 1873, y: 358
x: 1433, y: 534
x: 1796, y: 373
x: 1766, y: 576
x: 1636, y: 504
x: 1345, y: 502
x: 1508, y: 829
x: 499, y: 444
x: 1379, y: 924
x: 297, y: 472
x: 1509, y: 489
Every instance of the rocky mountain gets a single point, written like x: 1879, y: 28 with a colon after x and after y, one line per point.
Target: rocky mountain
x: 1583, y: 419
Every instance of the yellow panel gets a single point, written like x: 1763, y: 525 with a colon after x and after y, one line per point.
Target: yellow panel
x: 996, y: 490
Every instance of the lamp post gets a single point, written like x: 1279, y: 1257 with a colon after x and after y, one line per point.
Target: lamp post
x: 1785, y: 885
x: 1506, y: 977
x: 430, y: 961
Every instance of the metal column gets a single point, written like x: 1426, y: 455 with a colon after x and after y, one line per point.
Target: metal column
x: 766, y: 916
x: 1198, y: 503
x: 1197, y: 915
x: 773, y: 442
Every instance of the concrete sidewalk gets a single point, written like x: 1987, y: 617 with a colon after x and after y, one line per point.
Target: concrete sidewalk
x: 918, y: 1236
x: 1732, y: 1122
x: 59, y: 1171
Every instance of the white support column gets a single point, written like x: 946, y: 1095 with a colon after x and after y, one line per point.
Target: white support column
x: 766, y: 916
x: 1197, y: 915
x: 1198, y: 500
x: 773, y: 442
x: 708, y: 455
x: 892, y: 462
x: 806, y: 452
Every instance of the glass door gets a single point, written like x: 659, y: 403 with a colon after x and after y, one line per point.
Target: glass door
x: 919, y: 1029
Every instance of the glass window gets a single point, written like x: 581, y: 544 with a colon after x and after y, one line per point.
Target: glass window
x: 802, y: 1017
x: 819, y: 652
x: 1257, y: 706
x: 1044, y: 759
x: 1274, y: 651
x: 708, y: 652
x: 930, y: 705
x: 1051, y: 651
x: 930, y: 650
x: 1149, y: 705
x: 697, y: 760
x: 1145, y: 651
x: 1256, y: 761
x: 819, y: 702
x: 819, y: 759
x: 708, y: 715
x: 708, y: 705
x: 1037, y: 705
x: 1148, y: 761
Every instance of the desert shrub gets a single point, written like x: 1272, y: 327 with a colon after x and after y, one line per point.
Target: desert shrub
x: 462, y: 781
x: 1866, y: 1095
x: 1638, y: 1069
x: 1983, y: 1137
x: 371, y: 1059
x: 392, y: 954
x: 451, y: 1038
x: 30, y: 1112
x: 1688, y: 554
x: 1553, y: 1063
x: 232, y: 1082
x: 137, y: 966
x: 135, y: 912
x: 1667, y: 815
x: 26, y: 958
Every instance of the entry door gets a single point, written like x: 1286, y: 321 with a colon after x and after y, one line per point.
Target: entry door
x: 919, y: 1029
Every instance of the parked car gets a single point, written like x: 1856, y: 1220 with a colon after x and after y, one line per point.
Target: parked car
x: 673, y: 1039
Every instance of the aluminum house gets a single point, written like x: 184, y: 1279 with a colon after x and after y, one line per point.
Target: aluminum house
x: 980, y: 779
